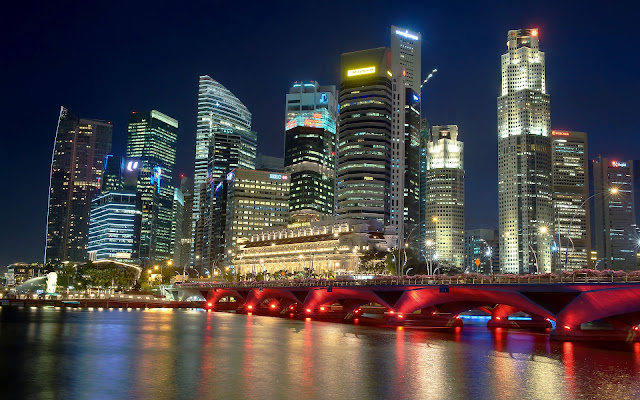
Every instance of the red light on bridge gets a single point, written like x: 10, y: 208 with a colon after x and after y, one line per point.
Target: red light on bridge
x: 567, y: 327
x: 273, y: 306
x: 400, y: 316
x: 434, y: 313
x: 291, y: 308
x: 321, y: 308
x: 250, y: 313
x: 308, y: 310
x: 249, y: 307
x: 498, y: 318
x: 635, y: 328
x: 457, y: 317
x: 391, y: 312
x: 209, y: 304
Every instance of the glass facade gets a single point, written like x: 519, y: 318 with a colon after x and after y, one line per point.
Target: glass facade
x: 77, y: 166
x: 224, y: 141
x: 114, y: 230
x: 152, y: 142
x: 570, y: 194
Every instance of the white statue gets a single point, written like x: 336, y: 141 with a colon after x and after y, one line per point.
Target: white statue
x: 52, y: 280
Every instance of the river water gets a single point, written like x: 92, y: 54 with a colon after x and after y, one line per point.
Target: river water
x: 187, y: 354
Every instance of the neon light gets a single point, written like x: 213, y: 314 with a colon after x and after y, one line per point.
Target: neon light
x: 361, y: 71
x: 131, y: 165
x: 415, y: 98
x: 559, y: 133
x: 275, y: 176
x: 534, y: 32
x: 617, y: 164
x: 389, y: 73
x: 407, y: 34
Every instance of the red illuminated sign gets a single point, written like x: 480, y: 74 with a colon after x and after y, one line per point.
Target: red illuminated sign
x: 559, y: 133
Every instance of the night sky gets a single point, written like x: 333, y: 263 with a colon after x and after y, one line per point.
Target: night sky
x: 103, y: 61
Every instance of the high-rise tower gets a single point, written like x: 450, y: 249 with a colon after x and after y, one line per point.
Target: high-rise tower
x: 616, y: 237
x: 405, y: 48
x: 152, y: 141
x: 77, y: 165
x: 570, y: 194
x: 224, y: 141
x: 310, y: 150
x: 524, y: 158
x: 444, y: 203
x: 364, y: 140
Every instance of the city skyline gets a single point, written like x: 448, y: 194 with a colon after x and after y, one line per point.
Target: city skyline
x: 482, y: 166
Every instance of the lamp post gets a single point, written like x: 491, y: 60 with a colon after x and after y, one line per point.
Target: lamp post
x: 613, y: 190
x: 428, y: 244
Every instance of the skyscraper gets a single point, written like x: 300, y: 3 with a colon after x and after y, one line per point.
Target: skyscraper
x: 152, y: 141
x: 444, y: 203
x: 310, y: 150
x: 616, y: 237
x: 77, y: 166
x: 524, y: 158
x: 405, y: 48
x: 364, y: 139
x: 183, y: 223
x: 255, y: 200
x: 224, y: 141
x: 570, y: 194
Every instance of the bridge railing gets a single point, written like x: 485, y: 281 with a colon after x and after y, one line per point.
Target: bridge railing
x: 425, y: 280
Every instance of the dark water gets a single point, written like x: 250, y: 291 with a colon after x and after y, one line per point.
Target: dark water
x: 191, y: 354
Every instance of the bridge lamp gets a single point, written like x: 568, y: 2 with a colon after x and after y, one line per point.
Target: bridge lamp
x: 567, y: 327
x: 209, y: 304
x: 308, y: 310
x: 400, y: 316
x: 249, y: 307
x: 321, y: 308
x: 273, y: 306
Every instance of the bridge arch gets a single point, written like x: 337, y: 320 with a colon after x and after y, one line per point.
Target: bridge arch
x: 598, y: 304
x: 419, y: 298
x: 356, y: 297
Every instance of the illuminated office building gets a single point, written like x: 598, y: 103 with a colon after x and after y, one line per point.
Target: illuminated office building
x: 570, y: 193
x: 181, y: 223
x: 444, y: 208
x: 224, y: 141
x: 310, y: 150
x: 255, y: 200
x: 524, y: 158
x: 152, y: 142
x: 616, y: 237
x: 405, y: 48
x: 77, y: 166
x: 114, y: 230
x: 481, y: 245
x: 364, y: 139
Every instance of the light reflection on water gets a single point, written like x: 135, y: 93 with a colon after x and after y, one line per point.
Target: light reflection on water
x: 166, y: 354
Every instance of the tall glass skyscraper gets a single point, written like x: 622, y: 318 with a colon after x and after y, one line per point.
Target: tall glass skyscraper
x: 152, y: 141
x: 570, y: 194
x: 364, y: 139
x: 616, y: 236
x: 407, y: 53
x: 224, y: 141
x: 524, y: 158
x: 77, y: 166
x: 310, y: 150
x: 444, y: 219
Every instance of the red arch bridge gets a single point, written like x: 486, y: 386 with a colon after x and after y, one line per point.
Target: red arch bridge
x: 581, y: 310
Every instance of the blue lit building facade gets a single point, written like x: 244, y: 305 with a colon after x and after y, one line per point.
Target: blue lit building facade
x: 114, y: 227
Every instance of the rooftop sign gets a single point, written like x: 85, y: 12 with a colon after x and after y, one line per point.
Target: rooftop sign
x: 361, y: 71
x: 406, y: 34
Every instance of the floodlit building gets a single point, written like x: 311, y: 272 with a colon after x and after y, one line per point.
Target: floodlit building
x: 570, y: 194
x: 325, y: 248
x: 152, y: 142
x: 616, y: 235
x: 444, y: 203
x: 524, y: 158
x: 77, y: 166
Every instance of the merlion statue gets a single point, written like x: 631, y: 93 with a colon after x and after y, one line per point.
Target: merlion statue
x: 52, y: 280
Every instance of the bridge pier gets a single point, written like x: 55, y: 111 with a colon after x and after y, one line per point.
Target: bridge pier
x: 566, y: 333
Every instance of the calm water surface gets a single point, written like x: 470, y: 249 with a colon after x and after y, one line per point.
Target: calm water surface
x: 192, y: 354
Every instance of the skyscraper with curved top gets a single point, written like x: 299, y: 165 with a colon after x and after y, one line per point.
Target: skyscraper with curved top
x: 224, y: 141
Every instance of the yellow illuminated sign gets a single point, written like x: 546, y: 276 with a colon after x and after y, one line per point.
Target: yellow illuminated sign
x: 361, y: 71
